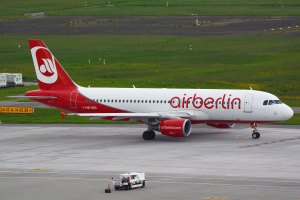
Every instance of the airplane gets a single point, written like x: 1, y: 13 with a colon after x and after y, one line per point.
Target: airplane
x: 168, y: 111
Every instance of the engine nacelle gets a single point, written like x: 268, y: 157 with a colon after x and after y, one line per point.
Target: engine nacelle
x: 219, y: 125
x: 175, y: 127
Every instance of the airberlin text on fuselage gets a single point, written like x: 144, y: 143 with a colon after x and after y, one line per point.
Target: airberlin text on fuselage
x: 225, y: 102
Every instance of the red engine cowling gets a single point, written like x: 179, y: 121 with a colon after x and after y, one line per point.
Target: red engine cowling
x: 175, y: 127
x: 217, y: 125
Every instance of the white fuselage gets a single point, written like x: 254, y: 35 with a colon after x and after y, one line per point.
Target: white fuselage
x: 201, y: 104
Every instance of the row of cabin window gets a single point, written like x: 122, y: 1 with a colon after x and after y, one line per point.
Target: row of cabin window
x: 150, y: 101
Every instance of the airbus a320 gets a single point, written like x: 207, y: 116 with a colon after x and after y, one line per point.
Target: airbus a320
x: 168, y: 111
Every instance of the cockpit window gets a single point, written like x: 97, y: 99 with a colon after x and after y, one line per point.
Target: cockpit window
x: 271, y: 102
x: 277, y: 102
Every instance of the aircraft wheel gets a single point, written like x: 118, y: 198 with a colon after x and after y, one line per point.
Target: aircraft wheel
x: 255, y: 135
x: 149, y: 135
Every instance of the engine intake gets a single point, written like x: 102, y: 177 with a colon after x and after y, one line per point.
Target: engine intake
x: 219, y: 125
x: 175, y: 127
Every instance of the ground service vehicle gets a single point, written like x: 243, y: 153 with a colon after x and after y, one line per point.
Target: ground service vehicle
x: 3, y: 81
x: 129, y: 181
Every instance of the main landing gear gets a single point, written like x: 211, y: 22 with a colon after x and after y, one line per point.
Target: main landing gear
x: 255, y: 134
x: 149, y: 135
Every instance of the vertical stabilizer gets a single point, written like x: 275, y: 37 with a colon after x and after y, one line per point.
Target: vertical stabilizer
x: 49, y: 72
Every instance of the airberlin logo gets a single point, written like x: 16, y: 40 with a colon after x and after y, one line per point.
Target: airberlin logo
x: 223, y: 102
x: 44, y: 64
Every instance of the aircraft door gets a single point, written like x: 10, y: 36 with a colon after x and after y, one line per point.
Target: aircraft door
x: 248, y: 103
x: 73, y: 99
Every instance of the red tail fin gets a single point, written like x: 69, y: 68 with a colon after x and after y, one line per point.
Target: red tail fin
x: 49, y: 72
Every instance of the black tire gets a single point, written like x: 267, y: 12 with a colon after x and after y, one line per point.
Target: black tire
x: 149, y: 135
x: 144, y: 184
x: 255, y: 135
x: 152, y: 135
x: 146, y: 135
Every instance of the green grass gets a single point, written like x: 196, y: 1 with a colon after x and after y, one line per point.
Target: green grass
x: 5, y: 92
x: 264, y: 62
x: 52, y: 116
x: 17, y: 8
x: 295, y: 120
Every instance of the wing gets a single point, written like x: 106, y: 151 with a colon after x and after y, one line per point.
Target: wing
x: 136, y: 116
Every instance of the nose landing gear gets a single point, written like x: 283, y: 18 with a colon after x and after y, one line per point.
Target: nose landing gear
x: 255, y: 134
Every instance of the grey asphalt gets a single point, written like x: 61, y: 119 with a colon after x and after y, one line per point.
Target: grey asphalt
x: 151, y: 25
x: 78, y: 161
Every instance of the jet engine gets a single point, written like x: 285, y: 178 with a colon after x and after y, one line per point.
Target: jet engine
x: 175, y: 127
x: 219, y: 125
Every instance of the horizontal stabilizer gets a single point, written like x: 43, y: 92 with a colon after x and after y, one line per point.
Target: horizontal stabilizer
x: 34, y: 97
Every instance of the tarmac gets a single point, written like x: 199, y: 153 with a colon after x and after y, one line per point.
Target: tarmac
x: 78, y: 161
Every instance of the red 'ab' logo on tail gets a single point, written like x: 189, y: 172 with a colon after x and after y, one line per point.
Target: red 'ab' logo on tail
x: 44, y: 64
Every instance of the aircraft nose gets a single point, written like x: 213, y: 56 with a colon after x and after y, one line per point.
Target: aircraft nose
x: 288, y: 112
